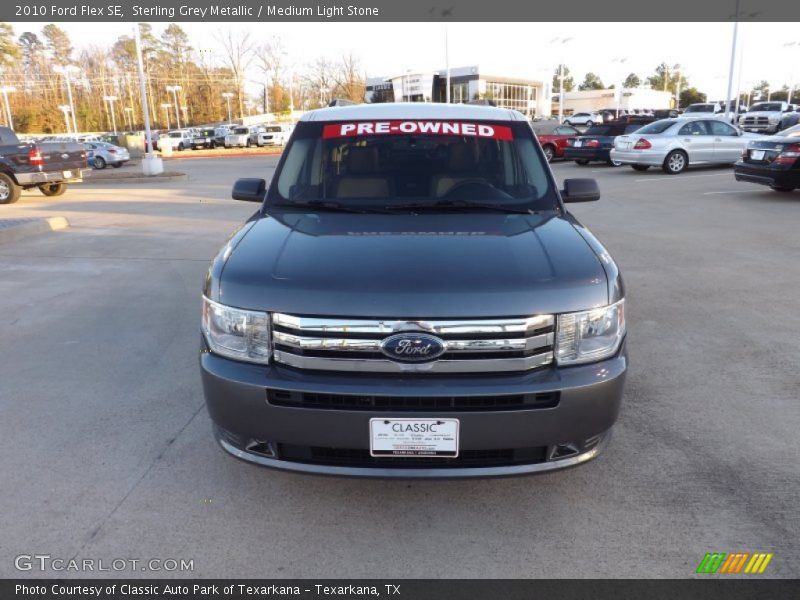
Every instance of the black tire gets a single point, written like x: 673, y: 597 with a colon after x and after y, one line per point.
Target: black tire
x: 181, y: 147
x: 613, y: 163
x: 9, y: 190
x: 99, y: 163
x: 249, y: 143
x: 566, y: 122
x: 213, y: 145
x: 117, y: 165
x: 589, y: 124
x: 582, y: 161
x: 549, y: 152
x: 778, y: 188
x: 53, y: 189
x: 675, y: 162
x: 640, y: 167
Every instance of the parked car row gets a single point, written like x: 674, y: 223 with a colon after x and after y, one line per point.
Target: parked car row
x: 102, y: 154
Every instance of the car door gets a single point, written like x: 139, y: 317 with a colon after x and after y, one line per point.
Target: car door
x: 728, y: 144
x: 695, y: 138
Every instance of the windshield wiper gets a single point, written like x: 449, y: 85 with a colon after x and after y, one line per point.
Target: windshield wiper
x: 332, y: 207
x: 463, y: 204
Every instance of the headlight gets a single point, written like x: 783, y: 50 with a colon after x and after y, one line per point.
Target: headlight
x: 235, y: 333
x: 590, y: 335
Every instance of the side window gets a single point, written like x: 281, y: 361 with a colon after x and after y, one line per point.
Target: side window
x: 722, y: 128
x: 693, y: 128
x: 566, y: 131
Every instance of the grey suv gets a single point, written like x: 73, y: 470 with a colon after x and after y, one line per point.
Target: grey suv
x: 413, y: 299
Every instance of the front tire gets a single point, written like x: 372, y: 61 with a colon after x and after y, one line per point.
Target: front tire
x: 99, y: 163
x: 549, y: 152
x: 614, y: 163
x: 9, y: 190
x: 778, y: 188
x: 589, y: 123
x: 567, y: 122
x: 676, y: 162
x: 640, y: 167
x: 582, y: 161
x: 53, y: 189
x: 181, y: 147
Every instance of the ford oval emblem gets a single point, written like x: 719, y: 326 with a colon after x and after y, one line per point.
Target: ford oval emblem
x: 413, y: 347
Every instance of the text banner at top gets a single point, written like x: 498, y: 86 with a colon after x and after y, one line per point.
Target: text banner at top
x: 398, y: 11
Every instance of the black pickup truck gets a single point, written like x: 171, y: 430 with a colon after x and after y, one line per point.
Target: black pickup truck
x: 49, y: 166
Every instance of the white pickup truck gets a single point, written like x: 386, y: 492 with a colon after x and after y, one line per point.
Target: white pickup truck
x: 764, y: 117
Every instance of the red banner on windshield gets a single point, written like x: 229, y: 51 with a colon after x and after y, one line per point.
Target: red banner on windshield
x: 458, y: 128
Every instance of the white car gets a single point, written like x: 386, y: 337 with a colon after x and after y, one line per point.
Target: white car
x: 583, y: 118
x: 178, y: 139
x: 273, y: 135
x: 675, y: 144
x: 239, y: 137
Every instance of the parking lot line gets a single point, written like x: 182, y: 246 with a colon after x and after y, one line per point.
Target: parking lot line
x: 730, y: 192
x: 680, y: 177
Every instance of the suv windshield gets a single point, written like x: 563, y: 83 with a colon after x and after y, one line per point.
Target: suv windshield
x: 398, y: 164
x: 241, y: 130
x: 766, y: 107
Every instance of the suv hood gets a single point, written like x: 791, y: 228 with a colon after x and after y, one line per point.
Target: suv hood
x: 402, y: 266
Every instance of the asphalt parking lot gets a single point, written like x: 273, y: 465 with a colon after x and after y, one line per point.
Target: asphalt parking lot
x: 107, y: 451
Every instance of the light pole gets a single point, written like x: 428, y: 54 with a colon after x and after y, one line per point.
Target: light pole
x: 228, y: 96
x: 677, y: 68
x: 65, y: 109
x: 562, y: 41
x: 6, y: 89
x: 175, y: 89
x: 65, y: 70
x: 129, y: 117
x: 166, y: 106
x: 185, y: 111
x: 791, y: 79
x: 733, y: 60
x: 151, y: 165
x: 619, y: 79
x: 111, y: 100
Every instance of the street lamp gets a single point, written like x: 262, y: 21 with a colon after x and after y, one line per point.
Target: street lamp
x: 562, y: 41
x: 166, y: 106
x: 228, y: 96
x: 66, y: 110
x: 175, y: 89
x: 619, y: 80
x: 111, y: 100
x: 791, y: 80
x: 6, y: 89
x: 65, y: 70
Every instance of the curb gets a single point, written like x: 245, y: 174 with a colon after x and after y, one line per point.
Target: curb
x: 12, y: 230
x: 137, y: 179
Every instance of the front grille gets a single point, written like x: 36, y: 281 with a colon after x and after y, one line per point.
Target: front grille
x: 756, y: 120
x: 470, y: 345
x: 357, y: 457
x: 411, y: 403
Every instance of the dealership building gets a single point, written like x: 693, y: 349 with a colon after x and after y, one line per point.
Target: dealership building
x: 630, y: 98
x: 529, y: 96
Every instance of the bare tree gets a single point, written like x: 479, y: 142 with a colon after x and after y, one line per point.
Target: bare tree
x: 238, y: 51
x: 350, y: 81
x: 269, y: 58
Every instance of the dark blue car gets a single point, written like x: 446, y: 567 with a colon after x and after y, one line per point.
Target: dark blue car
x: 597, y: 142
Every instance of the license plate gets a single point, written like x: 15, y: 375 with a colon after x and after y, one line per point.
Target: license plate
x: 578, y: 143
x: 413, y: 437
x: 67, y: 174
x: 757, y: 154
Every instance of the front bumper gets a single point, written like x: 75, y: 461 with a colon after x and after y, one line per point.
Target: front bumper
x: 591, y: 154
x: 51, y: 177
x: 246, y: 423
x: 766, y: 175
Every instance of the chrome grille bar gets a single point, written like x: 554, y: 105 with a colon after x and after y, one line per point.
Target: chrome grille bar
x: 470, y: 345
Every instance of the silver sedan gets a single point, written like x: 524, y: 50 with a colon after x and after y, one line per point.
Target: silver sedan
x: 675, y: 144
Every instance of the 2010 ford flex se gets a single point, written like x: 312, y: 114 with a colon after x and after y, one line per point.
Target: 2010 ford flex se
x: 413, y: 299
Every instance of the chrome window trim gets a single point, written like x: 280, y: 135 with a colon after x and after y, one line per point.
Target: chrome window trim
x: 495, y: 365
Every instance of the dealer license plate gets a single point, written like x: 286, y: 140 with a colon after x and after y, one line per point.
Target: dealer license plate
x: 413, y: 437
x: 757, y: 154
x: 67, y: 174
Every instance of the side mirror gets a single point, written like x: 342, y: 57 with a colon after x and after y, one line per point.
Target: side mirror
x: 249, y: 189
x: 580, y: 190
